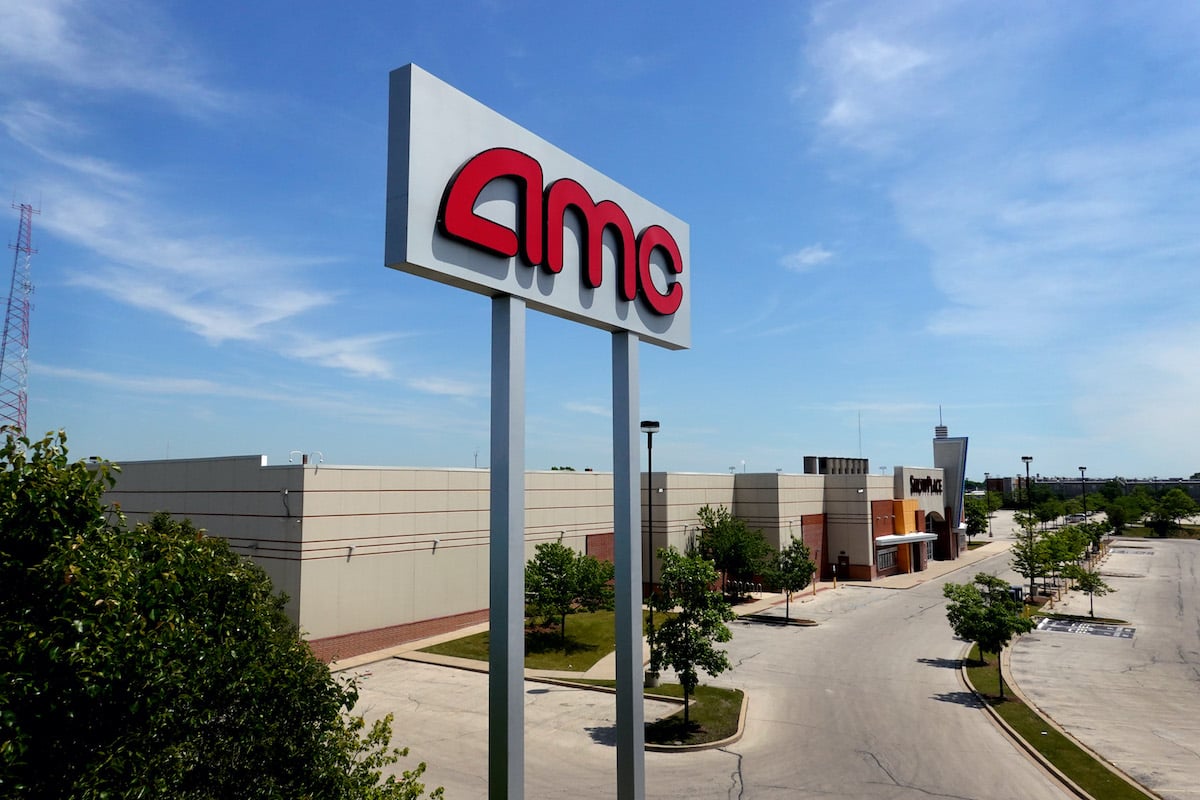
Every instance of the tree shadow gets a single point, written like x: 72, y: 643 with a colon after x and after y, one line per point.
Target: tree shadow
x: 944, y: 663
x: 604, y: 735
x: 961, y: 698
x: 671, y: 730
x: 543, y: 641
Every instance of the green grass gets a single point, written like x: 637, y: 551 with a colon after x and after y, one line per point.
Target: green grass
x: 1183, y: 532
x: 714, y: 714
x: 590, y: 637
x: 976, y: 545
x: 1092, y: 776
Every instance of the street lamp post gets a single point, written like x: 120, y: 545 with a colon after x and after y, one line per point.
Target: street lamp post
x: 987, y: 500
x: 650, y: 427
x: 1029, y: 524
x: 1083, y: 482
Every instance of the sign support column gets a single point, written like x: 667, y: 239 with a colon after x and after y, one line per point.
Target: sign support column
x: 627, y: 515
x: 506, y: 641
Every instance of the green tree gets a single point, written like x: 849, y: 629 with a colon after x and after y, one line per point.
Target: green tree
x: 984, y: 612
x: 1028, y: 560
x: 790, y: 571
x: 976, y: 511
x: 694, y: 618
x: 738, y: 552
x: 1117, y: 517
x: 1089, y: 581
x: 1172, y: 507
x: 560, y: 582
x: 156, y: 661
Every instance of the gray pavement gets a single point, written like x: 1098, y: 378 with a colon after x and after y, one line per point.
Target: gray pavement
x: 867, y: 704
x: 1134, y: 701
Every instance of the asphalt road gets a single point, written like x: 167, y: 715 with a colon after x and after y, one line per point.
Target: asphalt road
x: 1135, y: 701
x: 868, y: 704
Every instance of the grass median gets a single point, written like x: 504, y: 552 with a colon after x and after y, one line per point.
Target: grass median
x: 1073, y: 761
x: 714, y: 713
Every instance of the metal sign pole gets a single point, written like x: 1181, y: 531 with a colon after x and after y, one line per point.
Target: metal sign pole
x: 627, y: 512
x: 506, y: 616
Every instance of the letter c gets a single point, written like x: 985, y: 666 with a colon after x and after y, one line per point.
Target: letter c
x: 657, y: 236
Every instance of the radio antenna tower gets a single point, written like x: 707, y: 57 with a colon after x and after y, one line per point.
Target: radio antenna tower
x: 14, y: 344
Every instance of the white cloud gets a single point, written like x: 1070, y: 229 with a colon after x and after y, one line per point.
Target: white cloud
x: 449, y: 387
x: 806, y: 258
x: 106, y: 46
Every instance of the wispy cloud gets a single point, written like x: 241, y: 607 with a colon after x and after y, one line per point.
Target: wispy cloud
x: 448, y: 387
x: 806, y: 258
x: 589, y: 408
x: 108, y: 46
x: 1036, y: 205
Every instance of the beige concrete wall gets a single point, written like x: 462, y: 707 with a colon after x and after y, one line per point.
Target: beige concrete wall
x: 361, y: 548
x: 255, y: 507
x: 683, y: 494
x: 929, y: 503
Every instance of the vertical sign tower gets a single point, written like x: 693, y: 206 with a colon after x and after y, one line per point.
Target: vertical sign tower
x: 478, y: 202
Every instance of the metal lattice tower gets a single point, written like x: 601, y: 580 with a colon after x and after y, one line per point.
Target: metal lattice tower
x: 14, y: 344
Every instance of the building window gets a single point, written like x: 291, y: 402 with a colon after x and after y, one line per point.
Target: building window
x: 885, y: 558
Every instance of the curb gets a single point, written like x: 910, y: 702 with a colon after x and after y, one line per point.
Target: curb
x: 469, y: 665
x: 1029, y: 749
x: 692, y: 748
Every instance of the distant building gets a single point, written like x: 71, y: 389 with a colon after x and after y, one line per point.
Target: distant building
x: 374, y: 556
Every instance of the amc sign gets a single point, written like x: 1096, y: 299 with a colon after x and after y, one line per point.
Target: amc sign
x: 476, y: 201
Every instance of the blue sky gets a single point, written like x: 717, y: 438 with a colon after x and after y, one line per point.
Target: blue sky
x: 894, y: 207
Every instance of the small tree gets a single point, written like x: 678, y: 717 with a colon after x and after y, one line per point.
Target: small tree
x: 559, y: 582
x: 977, y: 516
x: 738, y: 552
x: 156, y: 661
x: 1029, y: 560
x: 985, y: 612
x: 791, y: 571
x: 1089, y: 581
x: 694, y: 618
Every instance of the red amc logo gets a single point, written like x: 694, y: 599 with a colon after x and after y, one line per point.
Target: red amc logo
x: 540, y: 222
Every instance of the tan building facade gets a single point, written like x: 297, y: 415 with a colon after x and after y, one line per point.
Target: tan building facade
x: 371, y: 556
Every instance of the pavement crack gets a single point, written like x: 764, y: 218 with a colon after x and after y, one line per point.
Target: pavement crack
x: 896, y: 782
x: 747, y: 658
x: 737, y: 783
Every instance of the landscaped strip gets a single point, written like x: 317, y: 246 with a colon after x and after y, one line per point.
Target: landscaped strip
x: 1092, y: 776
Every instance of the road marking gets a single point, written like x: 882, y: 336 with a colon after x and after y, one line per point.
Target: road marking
x: 1093, y: 628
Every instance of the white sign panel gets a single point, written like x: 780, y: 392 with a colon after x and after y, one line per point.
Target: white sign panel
x: 476, y: 201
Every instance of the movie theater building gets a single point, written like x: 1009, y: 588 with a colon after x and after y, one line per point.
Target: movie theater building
x: 371, y: 557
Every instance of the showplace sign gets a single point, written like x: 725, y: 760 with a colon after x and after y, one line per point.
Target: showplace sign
x: 478, y: 202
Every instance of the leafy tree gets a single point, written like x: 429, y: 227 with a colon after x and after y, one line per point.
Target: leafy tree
x: 977, y: 516
x: 1172, y: 507
x: 1028, y: 560
x: 1049, y: 510
x: 560, y: 581
x: 1089, y: 581
x: 694, y: 618
x: 791, y: 570
x: 985, y: 612
x: 156, y: 661
x: 738, y: 552
x: 1117, y: 517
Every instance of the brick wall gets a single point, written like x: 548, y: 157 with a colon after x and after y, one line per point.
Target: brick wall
x: 332, y: 648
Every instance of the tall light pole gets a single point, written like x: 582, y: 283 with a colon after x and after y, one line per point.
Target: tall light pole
x: 1029, y: 524
x: 987, y: 500
x: 650, y: 427
x: 1083, y: 482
